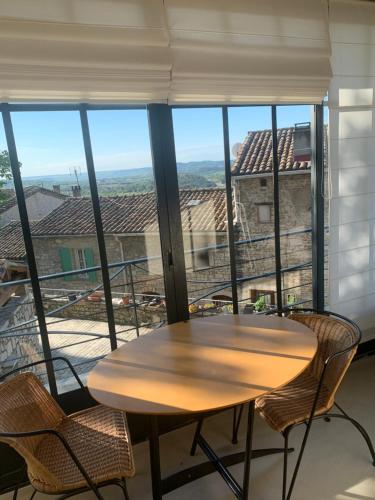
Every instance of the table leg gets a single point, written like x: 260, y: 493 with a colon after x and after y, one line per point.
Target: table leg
x: 155, y: 458
x: 248, y: 449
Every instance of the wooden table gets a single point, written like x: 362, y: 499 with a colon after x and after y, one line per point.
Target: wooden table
x: 200, y: 366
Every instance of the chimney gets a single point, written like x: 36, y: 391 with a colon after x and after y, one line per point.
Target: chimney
x: 56, y: 188
x: 302, y: 142
x: 76, y: 190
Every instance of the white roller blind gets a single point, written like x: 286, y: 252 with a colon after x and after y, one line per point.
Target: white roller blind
x: 184, y: 51
x: 352, y: 161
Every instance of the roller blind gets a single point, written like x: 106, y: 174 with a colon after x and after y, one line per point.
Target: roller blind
x: 351, y: 272
x: 181, y: 51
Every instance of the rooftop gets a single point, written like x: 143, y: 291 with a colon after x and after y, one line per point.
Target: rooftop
x: 255, y: 153
x: 11, y: 241
x: 29, y: 191
x: 201, y: 210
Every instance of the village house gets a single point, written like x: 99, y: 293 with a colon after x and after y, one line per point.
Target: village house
x: 65, y: 240
x: 252, y: 183
x: 39, y: 202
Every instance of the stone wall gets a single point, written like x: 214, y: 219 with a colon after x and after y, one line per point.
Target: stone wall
x: 146, y: 276
x: 16, y: 348
x: 96, y: 311
x: 257, y: 257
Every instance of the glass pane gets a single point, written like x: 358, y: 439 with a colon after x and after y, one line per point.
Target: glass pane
x: 252, y: 185
x: 122, y: 157
x: 59, y: 206
x: 201, y: 178
x: 294, y: 151
x: 20, y: 342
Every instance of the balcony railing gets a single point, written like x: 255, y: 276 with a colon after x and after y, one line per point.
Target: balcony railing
x: 133, y: 306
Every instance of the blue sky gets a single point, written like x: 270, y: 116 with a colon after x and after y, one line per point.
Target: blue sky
x: 50, y: 143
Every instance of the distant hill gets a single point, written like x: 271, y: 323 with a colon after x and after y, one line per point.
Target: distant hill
x: 195, y: 174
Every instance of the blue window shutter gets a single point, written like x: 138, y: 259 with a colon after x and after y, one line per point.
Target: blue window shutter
x: 66, y: 261
x: 89, y: 258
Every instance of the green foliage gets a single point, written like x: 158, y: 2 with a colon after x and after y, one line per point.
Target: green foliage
x: 292, y: 299
x: 5, y: 172
x: 260, y: 305
x: 193, y: 175
x: 192, y: 181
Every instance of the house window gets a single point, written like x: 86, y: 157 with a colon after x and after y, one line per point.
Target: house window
x: 264, y: 212
x: 263, y: 182
x: 201, y: 260
x: 80, y: 259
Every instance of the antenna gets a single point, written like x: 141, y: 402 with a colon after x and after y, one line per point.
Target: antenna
x: 76, y: 171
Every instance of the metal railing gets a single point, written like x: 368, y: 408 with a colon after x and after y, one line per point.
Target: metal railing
x: 136, y: 275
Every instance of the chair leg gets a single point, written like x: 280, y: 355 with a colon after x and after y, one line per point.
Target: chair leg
x: 362, y: 430
x: 196, y: 436
x: 15, y: 493
x: 299, y: 459
x: 285, y: 467
x: 236, y: 423
x: 124, y: 488
x: 33, y: 495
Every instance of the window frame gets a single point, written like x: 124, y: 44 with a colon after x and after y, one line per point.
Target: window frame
x: 165, y: 175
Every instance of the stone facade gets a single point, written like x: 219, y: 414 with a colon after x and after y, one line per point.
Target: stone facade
x: 15, y: 347
x: 257, y: 257
x: 124, y: 314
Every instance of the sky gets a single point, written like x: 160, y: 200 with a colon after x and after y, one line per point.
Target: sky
x: 50, y: 143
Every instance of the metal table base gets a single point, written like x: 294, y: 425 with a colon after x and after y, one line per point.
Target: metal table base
x: 162, y: 486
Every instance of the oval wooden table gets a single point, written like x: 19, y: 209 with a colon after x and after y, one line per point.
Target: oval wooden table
x: 200, y: 366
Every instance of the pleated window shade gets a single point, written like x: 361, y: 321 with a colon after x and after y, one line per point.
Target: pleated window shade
x: 177, y: 51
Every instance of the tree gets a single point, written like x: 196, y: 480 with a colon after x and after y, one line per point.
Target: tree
x: 5, y: 172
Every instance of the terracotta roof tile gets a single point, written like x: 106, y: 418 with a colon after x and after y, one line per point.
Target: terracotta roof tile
x: 11, y: 241
x: 135, y: 214
x: 255, y: 153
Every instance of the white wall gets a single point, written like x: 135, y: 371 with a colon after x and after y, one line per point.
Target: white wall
x: 38, y: 206
x: 352, y: 162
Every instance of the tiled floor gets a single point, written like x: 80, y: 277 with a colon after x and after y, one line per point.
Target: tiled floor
x: 83, y: 342
x: 336, y: 465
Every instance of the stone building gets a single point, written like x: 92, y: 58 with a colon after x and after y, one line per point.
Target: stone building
x: 65, y: 240
x: 39, y: 203
x: 252, y: 181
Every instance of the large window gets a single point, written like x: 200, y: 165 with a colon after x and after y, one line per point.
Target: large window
x: 96, y: 197
x: 123, y: 164
x: 202, y: 192
x: 250, y: 133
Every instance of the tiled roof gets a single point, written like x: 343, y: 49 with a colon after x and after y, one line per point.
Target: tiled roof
x: 255, y: 153
x: 29, y: 191
x: 201, y: 210
x: 11, y: 241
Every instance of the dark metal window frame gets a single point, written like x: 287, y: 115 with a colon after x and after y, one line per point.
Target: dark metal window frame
x: 166, y: 187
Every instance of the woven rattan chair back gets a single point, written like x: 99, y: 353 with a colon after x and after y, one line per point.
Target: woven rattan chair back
x: 334, y: 335
x: 27, y: 406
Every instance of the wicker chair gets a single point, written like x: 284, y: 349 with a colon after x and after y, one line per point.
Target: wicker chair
x: 312, y: 394
x: 65, y: 455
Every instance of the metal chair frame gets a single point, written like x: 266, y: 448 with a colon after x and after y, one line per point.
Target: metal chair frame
x: 287, y: 493
x: 90, y: 484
